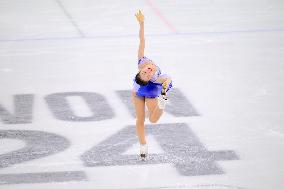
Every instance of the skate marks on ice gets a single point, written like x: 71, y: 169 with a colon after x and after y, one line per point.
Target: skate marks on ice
x: 180, y: 145
x: 179, y: 105
x: 38, y: 144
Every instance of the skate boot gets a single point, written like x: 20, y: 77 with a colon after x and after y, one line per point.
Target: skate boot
x: 162, y: 101
x: 143, y: 151
x: 164, y: 93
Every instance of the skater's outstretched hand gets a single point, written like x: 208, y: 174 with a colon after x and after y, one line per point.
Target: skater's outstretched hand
x: 139, y: 16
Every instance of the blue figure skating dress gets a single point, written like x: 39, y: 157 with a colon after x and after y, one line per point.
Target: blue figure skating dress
x: 152, y: 89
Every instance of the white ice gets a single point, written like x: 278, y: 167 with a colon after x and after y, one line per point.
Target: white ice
x: 225, y: 56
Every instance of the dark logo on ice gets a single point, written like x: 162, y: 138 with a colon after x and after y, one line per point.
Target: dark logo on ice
x: 181, y: 147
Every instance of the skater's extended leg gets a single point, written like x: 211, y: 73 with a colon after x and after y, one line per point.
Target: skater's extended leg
x: 154, y: 110
x: 139, y: 104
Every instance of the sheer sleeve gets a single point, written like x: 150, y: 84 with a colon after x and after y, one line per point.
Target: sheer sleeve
x: 143, y: 60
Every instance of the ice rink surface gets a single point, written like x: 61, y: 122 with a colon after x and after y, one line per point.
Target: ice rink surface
x: 66, y: 71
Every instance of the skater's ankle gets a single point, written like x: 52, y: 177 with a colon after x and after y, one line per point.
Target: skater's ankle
x: 143, y: 148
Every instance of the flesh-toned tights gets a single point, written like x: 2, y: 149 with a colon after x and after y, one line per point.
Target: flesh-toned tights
x: 154, y: 114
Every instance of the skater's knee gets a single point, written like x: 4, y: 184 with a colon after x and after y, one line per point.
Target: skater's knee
x: 153, y: 120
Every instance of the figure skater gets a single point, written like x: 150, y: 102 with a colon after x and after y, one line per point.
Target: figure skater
x: 150, y: 87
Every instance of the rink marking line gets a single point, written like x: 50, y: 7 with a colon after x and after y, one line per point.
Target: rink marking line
x: 70, y: 18
x: 148, y: 35
x: 208, y: 186
x: 161, y: 16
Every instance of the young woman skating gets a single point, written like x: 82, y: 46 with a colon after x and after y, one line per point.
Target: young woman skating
x: 150, y: 88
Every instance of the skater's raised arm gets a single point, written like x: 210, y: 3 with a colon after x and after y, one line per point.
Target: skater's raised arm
x: 140, y: 18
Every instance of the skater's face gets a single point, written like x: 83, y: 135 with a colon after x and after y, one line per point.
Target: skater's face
x: 147, y: 72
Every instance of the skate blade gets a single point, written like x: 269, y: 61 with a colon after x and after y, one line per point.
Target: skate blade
x: 143, y: 157
x: 164, y: 95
